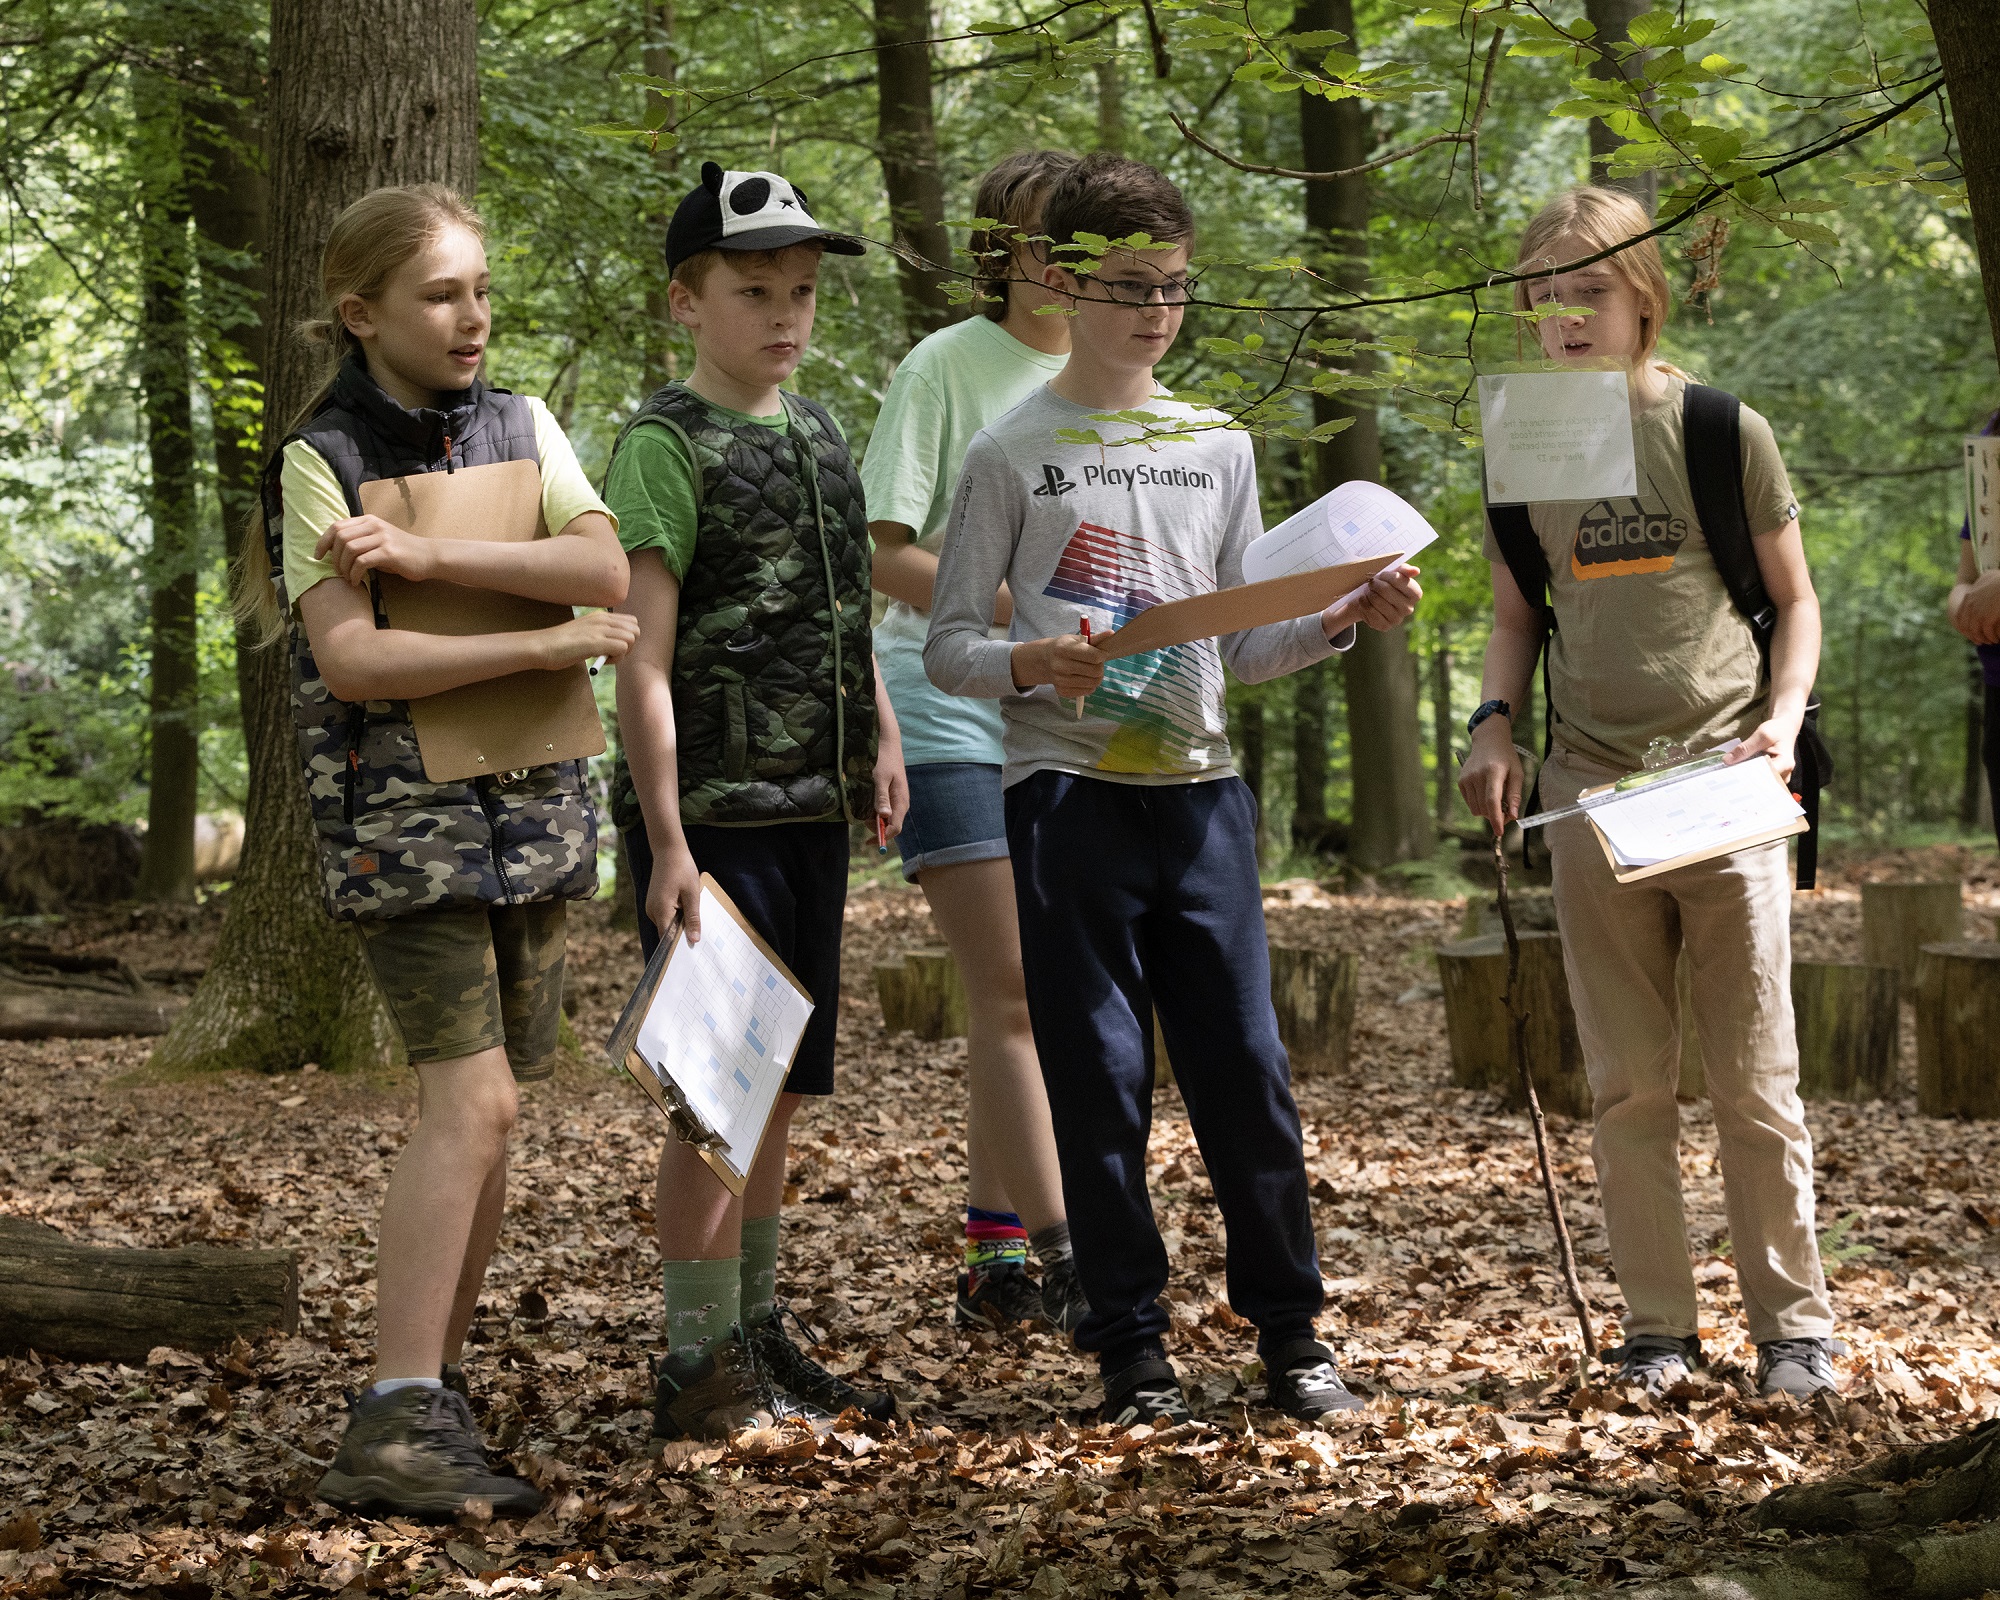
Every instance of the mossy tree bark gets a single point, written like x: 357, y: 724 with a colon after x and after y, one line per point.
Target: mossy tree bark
x: 1613, y: 21
x: 1969, y: 51
x: 906, y: 133
x: 368, y: 93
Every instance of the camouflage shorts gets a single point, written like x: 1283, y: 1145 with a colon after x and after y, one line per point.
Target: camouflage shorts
x: 468, y: 978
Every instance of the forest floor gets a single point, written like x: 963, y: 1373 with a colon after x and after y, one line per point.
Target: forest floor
x: 1479, y: 1468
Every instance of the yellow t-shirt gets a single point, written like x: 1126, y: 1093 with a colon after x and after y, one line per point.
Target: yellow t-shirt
x: 1648, y: 642
x: 313, y: 501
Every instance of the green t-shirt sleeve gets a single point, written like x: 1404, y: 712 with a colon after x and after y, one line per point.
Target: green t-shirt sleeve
x: 899, y: 473
x: 651, y: 491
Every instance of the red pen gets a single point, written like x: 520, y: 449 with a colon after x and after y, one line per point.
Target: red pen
x: 1083, y: 628
x: 881, y: 834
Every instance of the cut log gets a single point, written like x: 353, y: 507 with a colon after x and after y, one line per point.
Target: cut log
x: 1473, y: 974
x: 1314, y: 992
x: 922, y: 994
x: 1694, y: 1074
x: 1848, y: 1021
x: 1958, y: 1020
x: 42, y: 1013
x: 1899, y: 919
x: 95, y: 1303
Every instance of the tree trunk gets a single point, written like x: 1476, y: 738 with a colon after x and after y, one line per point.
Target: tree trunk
x: 229, y: 192
x: 1899, y: 919
x: 1443, y: 727
x: 922, y: 994
x: 1968, y: 48
x: 96, y: 1303
x: 907, y: 135
x: 1313, y: 992
x: 660, y: 58
x: 166, y: 865
x: 1251, y: 764
x: 1309, y: 763
x: 1973, y: 791
x: 1958, y: 1018
x: 1473, y: 974
x: 1390, y: 812
x: 1111, y: 94
x: 364, y: 94
x: 1848, y: 1022
x: 1613, y: 21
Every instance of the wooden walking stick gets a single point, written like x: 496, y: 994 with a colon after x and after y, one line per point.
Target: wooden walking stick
x: 1518, y: 1016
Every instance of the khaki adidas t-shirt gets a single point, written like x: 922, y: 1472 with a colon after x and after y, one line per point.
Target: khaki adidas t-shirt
x: 1647, y: 640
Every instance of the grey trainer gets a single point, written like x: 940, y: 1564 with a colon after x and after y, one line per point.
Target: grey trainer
x: 417, y: 1451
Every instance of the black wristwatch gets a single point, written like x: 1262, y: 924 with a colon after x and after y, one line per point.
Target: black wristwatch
x: 1488, y: 709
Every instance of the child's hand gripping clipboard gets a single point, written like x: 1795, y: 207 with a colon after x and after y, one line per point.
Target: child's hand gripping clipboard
x: 1248, y: 605
x: 526, y: 719
x: 669, y: 1075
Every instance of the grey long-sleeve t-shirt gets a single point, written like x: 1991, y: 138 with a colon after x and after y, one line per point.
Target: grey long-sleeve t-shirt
x: 1105, y: 532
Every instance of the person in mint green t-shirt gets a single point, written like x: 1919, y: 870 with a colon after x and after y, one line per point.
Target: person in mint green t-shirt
x: 954, y: 840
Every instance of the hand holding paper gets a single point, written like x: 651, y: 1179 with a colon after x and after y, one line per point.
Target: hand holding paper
x: 1385, y: 601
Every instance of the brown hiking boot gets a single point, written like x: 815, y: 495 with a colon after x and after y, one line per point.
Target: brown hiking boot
x: 718, y: 1392
x: 417, y: 1451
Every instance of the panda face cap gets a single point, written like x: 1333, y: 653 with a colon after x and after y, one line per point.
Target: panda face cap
x: 746, y: 211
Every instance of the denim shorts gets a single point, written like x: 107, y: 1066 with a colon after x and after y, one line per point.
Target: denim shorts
x: 955, y: 816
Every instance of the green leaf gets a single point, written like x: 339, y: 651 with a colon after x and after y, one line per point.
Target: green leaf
x: 614, y: 130
x: 1808, y: 232
x: 1326, y: 430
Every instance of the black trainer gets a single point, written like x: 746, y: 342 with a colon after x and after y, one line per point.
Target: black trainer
x: 795, y: 1372
x: 715, y: 1393
x: 417, y: 1451
x: 1300, y: 1380
x: 999, y: 1296
x: 1655, y: 1361
x: 1147, y: 1391
x: 1063, y: 1304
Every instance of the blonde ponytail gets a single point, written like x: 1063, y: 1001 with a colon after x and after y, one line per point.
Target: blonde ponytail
x: 365, y: 246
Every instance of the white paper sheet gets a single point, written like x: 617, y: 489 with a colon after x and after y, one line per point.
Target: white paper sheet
x: 1982, y: 499
x: 1556, y: 436
x: 1705, y: 812
x: 724, y: 1025
x: 1355, y: 521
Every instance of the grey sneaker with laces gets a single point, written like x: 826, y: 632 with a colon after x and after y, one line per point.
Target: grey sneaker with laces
x: 1063, y: 1304
x: 1800, y: 1368
x: 1146, y: 1391
x: 1301, y: 1381
x: 999, y: 1296
x: 417, y: 1451
x: 715, y: 1393
x: 1655, y: 1362
x: 795, y: 1372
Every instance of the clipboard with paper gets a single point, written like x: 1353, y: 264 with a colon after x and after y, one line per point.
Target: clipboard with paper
x: 1712, y: 811
x: 710, y: 1034
x: 1303, y: 565
x: 526, y: 719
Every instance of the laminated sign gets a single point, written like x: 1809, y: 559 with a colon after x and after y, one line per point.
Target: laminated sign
x: 1557, y: 436
x: 1982, y: 498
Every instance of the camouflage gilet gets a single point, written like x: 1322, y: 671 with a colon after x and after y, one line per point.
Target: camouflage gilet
x: 773, y: 678
x: 390, y: 841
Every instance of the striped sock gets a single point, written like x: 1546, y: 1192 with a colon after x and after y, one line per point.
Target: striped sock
x: 993, y: 1237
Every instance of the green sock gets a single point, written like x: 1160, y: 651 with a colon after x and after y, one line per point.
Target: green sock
x: 759, y: 1269
x: 704, y: 1298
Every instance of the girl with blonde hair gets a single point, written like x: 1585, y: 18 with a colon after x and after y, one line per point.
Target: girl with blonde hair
x: 1641, y: 604
x: 456, y: 889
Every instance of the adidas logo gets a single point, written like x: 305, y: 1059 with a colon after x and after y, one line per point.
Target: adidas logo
x: 1054, y: 482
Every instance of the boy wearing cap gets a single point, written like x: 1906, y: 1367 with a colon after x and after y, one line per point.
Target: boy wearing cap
x: 756, y: 733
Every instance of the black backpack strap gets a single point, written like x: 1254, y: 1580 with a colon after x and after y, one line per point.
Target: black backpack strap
x: 1514, y: 532
x: 1712, y: 439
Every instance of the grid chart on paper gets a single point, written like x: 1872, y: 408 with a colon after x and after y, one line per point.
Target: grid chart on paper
x: 738, y: 1026
x: 1166, y: 702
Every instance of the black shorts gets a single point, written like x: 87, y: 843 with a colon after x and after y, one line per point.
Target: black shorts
x: 789, y: 879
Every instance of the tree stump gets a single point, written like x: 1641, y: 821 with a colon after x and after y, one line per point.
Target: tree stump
x: 1694, y: 1073
x: 1899, y: 919
x: 94, y: 1303
x: 1958, y: 1022
x: 1314, y: 993
x: 922, y: 994
x: 1847, y: 1020
x: 1473, y: 973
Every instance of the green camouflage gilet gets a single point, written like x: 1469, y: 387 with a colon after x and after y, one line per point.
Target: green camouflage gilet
x: 773, y: 678
x: 390, y: 841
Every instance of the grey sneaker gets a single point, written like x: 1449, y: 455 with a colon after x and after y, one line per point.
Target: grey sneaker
x: 1800, y: 1368
x: 803, y: 1378
x: 995, y: 1297
x: 1300, y: 1380
x: 1655, y: 1361
x: 720, y: 1391
x: 1063, y: 1304
x: 417, y: 1451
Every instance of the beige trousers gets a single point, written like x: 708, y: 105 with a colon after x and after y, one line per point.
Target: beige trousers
x: 1620, y: 945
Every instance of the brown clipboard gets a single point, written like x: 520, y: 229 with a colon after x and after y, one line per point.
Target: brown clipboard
x: 623, y: 1045
x: 1248, y: 605
x: 1634, y: 874
x: 526, y: 719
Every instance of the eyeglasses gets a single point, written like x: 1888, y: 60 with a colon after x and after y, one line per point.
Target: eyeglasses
x: 1141, y: 291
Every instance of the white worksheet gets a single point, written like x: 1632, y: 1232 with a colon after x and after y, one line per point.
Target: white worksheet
x: 1556, y: 436
x: 1982, y: 498
x: 1709, y: 811
x: 1355, y: 522
x: 722, y: 1029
